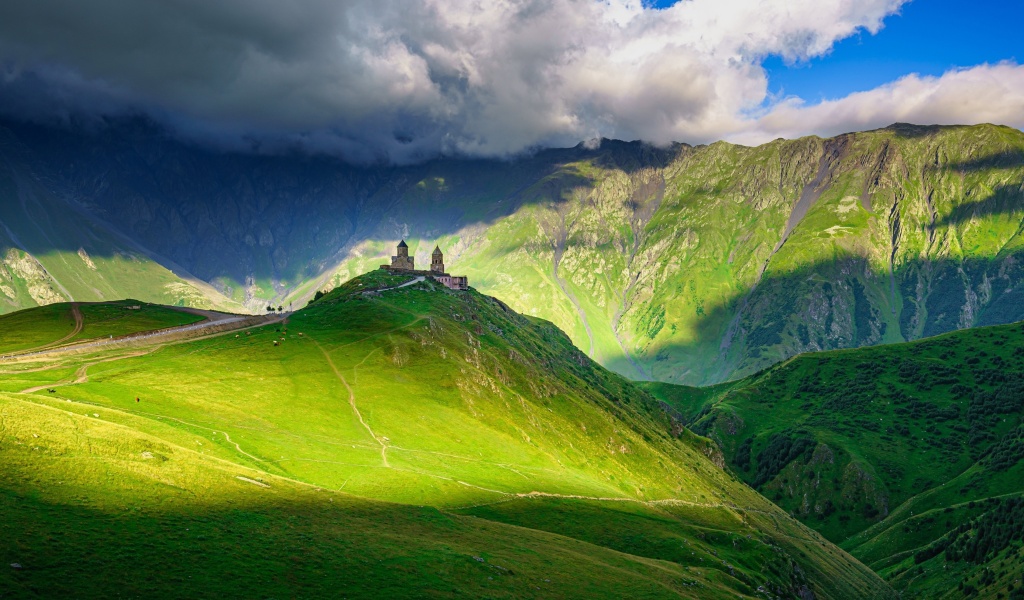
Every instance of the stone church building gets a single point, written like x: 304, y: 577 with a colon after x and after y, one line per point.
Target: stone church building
x: 403, y: 263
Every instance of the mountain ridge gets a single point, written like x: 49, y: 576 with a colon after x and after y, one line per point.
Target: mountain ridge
x: 687, y: 264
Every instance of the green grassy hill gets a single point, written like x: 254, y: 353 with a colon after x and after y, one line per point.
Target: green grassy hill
x: 909, y: 456
x: 65, y: 323
x: 410, y: 442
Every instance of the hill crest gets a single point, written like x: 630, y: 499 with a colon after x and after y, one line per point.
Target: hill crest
x: 404, y: 398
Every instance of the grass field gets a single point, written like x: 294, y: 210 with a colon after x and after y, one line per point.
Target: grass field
x: 55, y: 324
x: 106, y: 319
x: 28, y: 329
x: 416, y: 442
x: 895, y: 453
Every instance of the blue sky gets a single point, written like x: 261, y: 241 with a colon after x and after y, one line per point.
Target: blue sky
x: 928, y: 37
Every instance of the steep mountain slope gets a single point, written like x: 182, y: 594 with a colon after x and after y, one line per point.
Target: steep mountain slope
x: 51, y: 250
x: 907, y: 455
x: 685, y: 264
x: 728, y: 259
x: 415, y: 439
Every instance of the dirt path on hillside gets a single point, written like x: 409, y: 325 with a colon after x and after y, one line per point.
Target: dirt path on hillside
x: 226, y: 324
x: 143, y: 414
x: 406, y: 284
x: 212, y: 315
x: 352, y: 402
x: 76, y: 314
x: 82, y: 373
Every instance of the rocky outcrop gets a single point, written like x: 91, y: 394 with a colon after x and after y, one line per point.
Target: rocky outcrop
x: 22, y: 267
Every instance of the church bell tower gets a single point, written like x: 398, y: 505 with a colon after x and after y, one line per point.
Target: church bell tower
x: 437, y: 260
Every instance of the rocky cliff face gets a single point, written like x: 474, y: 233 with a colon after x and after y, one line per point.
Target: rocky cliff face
x: 686, y: 264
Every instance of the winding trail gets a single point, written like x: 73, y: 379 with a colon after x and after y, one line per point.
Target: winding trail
x: 352, y: 403
x: 406, y: 284
x: 82, y: 373
x: 215, y: 459
x: 509, y: 496
x: 239, y: 448
x: 76, y: 314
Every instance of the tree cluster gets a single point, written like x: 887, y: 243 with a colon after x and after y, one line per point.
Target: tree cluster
x: 980, y: 538
x: 782, y: 449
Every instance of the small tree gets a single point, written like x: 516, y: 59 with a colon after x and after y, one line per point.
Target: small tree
x: 270, y: 309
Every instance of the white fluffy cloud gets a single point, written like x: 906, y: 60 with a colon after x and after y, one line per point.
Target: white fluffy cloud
x: 982, y: 94
x: 405, y: 79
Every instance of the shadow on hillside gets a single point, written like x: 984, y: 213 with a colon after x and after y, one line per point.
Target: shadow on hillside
x: 271, y: 542
x: 260, y: 546
x: 1009, y: 159
x: 785, y: 315
x: 1005, y: 200
x: 911, y: 131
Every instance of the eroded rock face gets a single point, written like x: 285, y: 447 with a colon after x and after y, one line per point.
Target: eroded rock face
x: 23, y: 267
x: 6, y: 283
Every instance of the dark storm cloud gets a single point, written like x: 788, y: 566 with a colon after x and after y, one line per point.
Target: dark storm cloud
x: 407, y: 79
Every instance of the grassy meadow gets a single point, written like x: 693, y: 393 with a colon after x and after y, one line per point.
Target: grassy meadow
x: 410, y: 442
x: 55, y: 324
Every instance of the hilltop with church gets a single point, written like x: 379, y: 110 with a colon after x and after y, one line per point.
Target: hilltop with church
x: 403, y: 263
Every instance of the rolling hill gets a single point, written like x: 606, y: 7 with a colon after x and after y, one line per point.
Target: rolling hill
x: 909, y: 456
x: 684, y: 264
x: 400, y: 441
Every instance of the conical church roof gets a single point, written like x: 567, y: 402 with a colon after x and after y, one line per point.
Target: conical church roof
x: 402, y: 244
x: 437, y: 250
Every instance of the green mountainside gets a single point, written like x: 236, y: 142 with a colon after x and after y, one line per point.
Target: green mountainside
x: 728, y: 259
x: 384, y: 441
x: 690, y: 265
x: 909, y: 456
